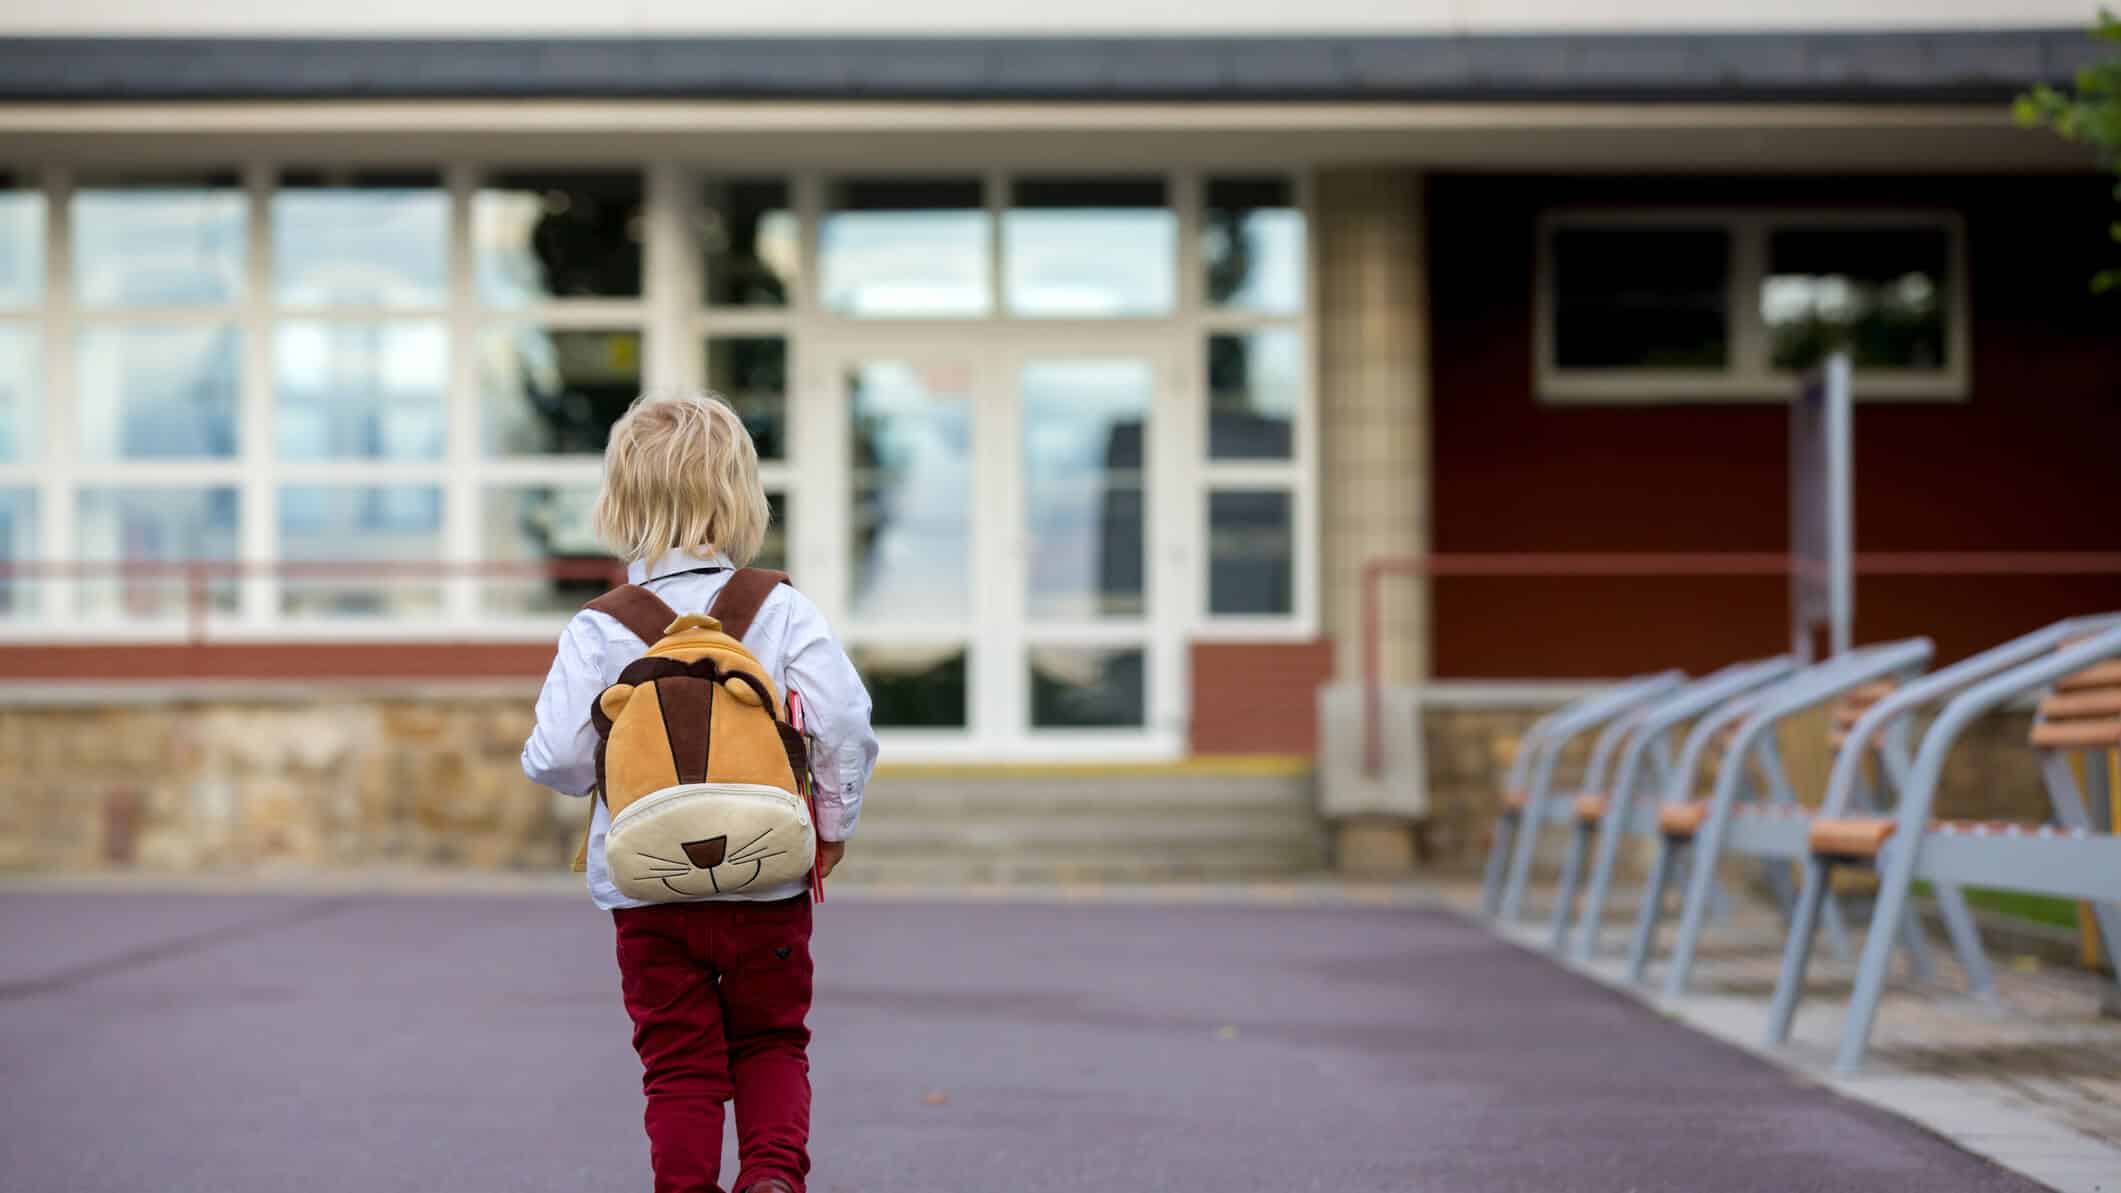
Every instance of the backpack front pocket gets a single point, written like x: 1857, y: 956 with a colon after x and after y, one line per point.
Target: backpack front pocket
x: 701, y: 840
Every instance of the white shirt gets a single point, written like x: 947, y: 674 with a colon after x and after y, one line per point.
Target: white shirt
x: 792, y: 642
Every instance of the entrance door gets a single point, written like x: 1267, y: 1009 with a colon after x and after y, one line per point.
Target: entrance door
x: 1004, y: 568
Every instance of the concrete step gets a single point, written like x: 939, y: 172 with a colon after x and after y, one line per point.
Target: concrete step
x: 998, y: 825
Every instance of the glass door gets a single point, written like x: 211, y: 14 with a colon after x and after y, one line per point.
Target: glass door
x: 1002, y: 548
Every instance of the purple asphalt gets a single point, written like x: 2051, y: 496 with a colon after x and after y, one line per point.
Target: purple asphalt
x: 252, y: 1044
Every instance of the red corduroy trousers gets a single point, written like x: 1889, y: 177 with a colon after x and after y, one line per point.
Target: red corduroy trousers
x: 719, y: 992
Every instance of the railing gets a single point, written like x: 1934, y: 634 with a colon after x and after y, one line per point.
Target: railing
x: 1557, y: 565
x: 198, y: 576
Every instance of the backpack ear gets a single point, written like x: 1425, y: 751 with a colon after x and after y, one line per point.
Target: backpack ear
x: 613, y: 700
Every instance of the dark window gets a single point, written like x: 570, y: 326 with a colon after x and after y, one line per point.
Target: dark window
x: 1251, y: 552
x: 550, y: 236
x: 1641, y: 297
x: 1879, y: 291
x: 1252, y: 245
x: 1083, y: 688
x: 748, y: 241
x: 544, y: 391
x: 752, y: 372
x: 913, y: 687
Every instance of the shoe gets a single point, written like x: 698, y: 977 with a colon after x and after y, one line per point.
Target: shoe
x: 772, y: 1184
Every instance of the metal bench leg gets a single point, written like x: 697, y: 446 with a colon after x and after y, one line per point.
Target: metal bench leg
x: 1837, y: 928
x: 1591, y: 918
x: 1652, y: 909
x: 1775, y: 872
x: 1707, y: 847
x: 1797, y: 950
x: 1529, y: 822
x: 1565, y: 894
x: 1966, y: 941
x: 1498, y: 857
x: 2071, y: 811
x: 1921, y: 965
x: 1897, y: 877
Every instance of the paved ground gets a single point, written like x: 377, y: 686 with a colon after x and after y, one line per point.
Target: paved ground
x: 246, y: 1044
x: 2033, y: 1080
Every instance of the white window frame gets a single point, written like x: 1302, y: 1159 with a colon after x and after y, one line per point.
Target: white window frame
x: 675, y: 320
x: 1748, y: 377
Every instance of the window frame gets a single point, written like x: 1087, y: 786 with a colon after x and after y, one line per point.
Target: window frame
x: 675, y: 319
x: 1748, y: 377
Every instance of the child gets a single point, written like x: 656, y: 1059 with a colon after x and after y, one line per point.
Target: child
x: 718, y: 990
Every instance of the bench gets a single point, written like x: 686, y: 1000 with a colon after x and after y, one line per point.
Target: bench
x: 1610, y: 812
x: 1528, y: 791
x: 2076, y: 855
x: 1772, y: 827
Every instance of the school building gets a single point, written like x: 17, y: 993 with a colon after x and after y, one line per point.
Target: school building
x: 1089, y: 369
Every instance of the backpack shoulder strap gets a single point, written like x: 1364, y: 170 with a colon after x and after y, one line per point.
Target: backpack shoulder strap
x: 638, y: 609
x: 738, y: 602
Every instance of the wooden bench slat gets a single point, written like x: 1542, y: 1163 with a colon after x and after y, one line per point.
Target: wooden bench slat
x: 1850, y: 836
x: 1684, y: 819
x: 2076, y: 734
x: 2089, y: 702
x: 2098, y: 675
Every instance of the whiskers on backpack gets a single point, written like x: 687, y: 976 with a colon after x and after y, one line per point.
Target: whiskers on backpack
x: 707, y: 784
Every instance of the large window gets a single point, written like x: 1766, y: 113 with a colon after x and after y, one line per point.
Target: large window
x: 1258, y: 385
x: 301, y: 397
x: 1705, y: 305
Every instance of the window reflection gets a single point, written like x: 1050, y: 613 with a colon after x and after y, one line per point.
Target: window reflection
x: 150, y: 391
x: 912, y: 488
x: 545, y: 391
x: 1252, y: 242
x: 1251, y: 552
x: 1075, y: 687
x: 534, y: 523
x: 1879, y: 291
x: 21, y: 389
x: 21, y: 242
x: 1255, y: 383
x: 752, y: 373
x: 1085, y: 422
x: 773, y: 552
x: 175, y: 525
x: 1641, y: 297
x: 159, y: 242
x: 1090, y: 248
x: 906, y: 247
x: 748, y: 238
x: 361, y: 524
x: 363, y: 390
x: 360, y: 239
x: 914, y: 687
x: 543, y: 236
x: 18, y: 544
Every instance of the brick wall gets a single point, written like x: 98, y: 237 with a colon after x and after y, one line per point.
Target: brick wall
x: 1257, y: 697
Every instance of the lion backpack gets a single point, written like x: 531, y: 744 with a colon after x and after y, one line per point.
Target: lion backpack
x: 706, y: 782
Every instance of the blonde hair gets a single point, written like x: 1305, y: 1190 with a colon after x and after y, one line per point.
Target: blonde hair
x: 681, y: 474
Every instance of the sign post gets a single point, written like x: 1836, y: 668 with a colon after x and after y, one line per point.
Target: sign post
x: 1822, y: 510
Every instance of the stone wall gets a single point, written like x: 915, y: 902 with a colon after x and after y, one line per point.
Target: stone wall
x: 373, y: 781
x: 324, y: 783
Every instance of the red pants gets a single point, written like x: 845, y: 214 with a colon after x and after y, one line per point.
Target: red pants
x: 718, y: 993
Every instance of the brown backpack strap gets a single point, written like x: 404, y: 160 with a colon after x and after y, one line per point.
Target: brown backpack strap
x: 638, y: 609
x: 739, y: 600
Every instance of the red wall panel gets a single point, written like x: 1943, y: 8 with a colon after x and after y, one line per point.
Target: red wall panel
x: 2028, y: 463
